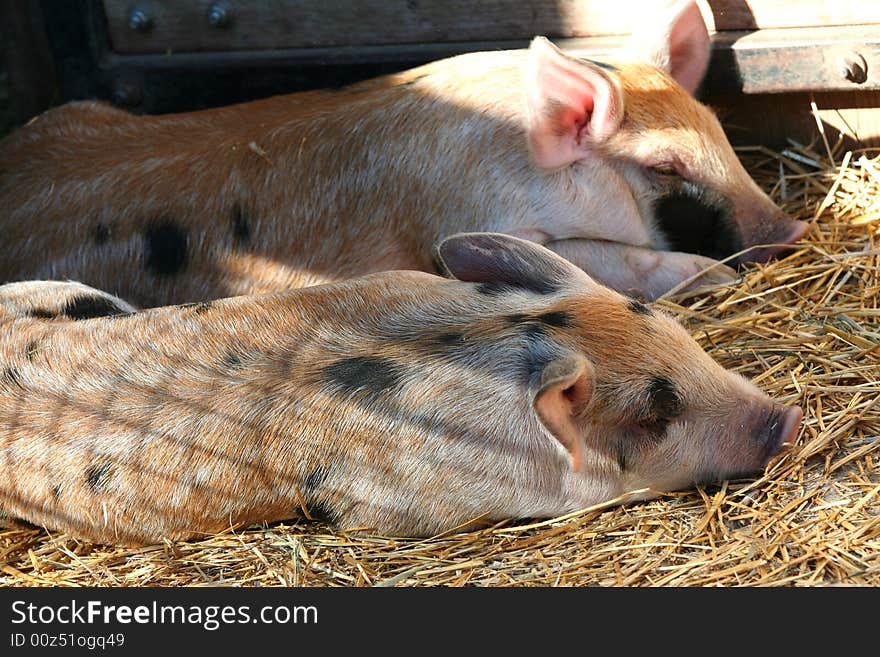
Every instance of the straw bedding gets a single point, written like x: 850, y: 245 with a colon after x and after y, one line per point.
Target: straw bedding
x: 803, y: 328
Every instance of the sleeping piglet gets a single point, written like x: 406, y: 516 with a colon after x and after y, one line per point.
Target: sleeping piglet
x: 613, y: 164
x: 402, y: 402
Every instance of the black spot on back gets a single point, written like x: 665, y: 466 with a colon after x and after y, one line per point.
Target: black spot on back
x: 666, y: 403
x: 166, y: 248
x: 639, y: 308
x: 101, y: 233
x: 89, y: 306
x: 536, y: 325
x: 314, y: 480
x: 95, y: 476
x: 558, y: 318
x: 321, y: 510
x: 21, y: 523
x: 450, y: 338
x: 693, y: 225
x: 241, y: 227
x: 12, y: 377
x: 231, y: 361
x: 41, y: 313
x: 363, y: 373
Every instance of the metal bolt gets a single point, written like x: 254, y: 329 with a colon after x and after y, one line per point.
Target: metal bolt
x: 219, y: 14
x: 854, y: 68
x: 139, y: 20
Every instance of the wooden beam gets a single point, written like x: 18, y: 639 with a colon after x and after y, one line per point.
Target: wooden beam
x: 159, y: 26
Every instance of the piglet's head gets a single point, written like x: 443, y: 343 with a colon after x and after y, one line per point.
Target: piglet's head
x: 638, y: 118
x: 626, y: 395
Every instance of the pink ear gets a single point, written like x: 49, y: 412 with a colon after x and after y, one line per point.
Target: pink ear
x: 564, y: 389
x: 572, y: 105
x: 689, y: 47
x: 681, y: 46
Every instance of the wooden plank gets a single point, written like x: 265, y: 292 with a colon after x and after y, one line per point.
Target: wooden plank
x: 843, y: 58
x: 186, y: 25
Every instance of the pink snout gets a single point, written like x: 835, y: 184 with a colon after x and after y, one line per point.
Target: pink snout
x: 774, y: 241
x: 778, y: 431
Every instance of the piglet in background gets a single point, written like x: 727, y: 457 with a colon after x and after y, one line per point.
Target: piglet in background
x: 612, y: 164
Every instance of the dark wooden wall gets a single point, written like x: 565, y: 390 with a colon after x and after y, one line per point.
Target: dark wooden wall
x: 27, y: 72
x: 772, y: 59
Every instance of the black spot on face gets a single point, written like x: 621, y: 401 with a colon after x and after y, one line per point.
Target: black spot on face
x: 639, y: 308
x: 363, y: 373
x: 533, y: 330
x: 694, y: 225
x: 241, y: 227
x: 41, y: 313
x: 95, y: 476
x: 89, y: 306
x: 166, y: 248
x: 665, y: 401
x: 12, y: 378
x: 558, y: 318
x: 540, y: 352
x: 101, y: 233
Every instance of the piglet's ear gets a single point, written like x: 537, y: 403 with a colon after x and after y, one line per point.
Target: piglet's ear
x: 573, y: 105
x: 503, y: 260
x: 678, y: 42
x: 563, y: 389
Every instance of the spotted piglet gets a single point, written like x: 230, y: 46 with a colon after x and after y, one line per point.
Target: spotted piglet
x: 402, y: 402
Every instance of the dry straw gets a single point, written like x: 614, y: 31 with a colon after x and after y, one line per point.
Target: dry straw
x: 804, y: 328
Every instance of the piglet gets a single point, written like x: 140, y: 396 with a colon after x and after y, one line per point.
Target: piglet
x: 613, y: 164
x: 401, y: 402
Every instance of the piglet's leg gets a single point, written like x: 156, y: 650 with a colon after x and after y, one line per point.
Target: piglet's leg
x: 640, y: 271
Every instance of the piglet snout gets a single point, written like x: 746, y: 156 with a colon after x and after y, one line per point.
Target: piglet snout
x: 778, y: 234
x: 779, y: 430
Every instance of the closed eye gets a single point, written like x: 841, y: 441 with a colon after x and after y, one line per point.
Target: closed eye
x: 666, y: 171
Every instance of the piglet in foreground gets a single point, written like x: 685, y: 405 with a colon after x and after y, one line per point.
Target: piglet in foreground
x: 402, y: 402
